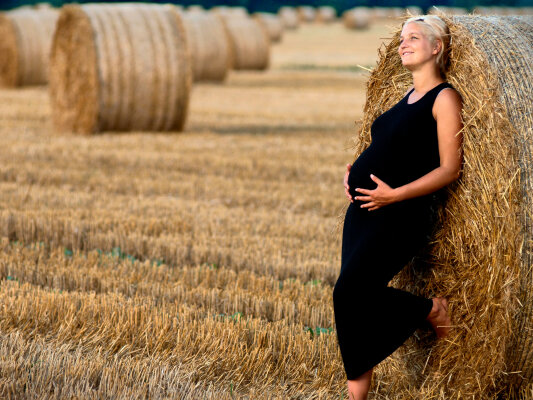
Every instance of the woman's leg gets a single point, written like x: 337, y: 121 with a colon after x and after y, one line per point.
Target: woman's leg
x: 358, y: 388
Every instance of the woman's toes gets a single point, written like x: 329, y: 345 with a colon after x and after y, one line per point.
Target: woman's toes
x: 439, y: 318
x: 444, y: 302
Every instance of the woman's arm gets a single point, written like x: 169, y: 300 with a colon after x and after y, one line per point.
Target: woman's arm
x: 447, y: 113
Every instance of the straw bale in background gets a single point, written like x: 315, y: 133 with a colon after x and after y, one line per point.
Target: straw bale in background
x: 496, y: 10
x: 249, y: 43
x: 378, y: 12
x: 195, y: 8
x: 326, y: 14
x: 231, y: 11
x: 414, y: 10
x: 289, y: 17
x: 447, y: 10
x: 396, y: 12
x: 307, y: 13
x: 357, y: 18
x: 25, y: 40
x: 209, y: 46
x: 481, y: 256
x: 119, y: 67
x: 272, y: 25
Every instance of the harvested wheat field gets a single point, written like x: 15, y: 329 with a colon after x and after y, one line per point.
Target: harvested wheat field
x: 187, y: 265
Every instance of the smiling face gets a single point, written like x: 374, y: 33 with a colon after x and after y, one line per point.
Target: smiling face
x: 415, y: 47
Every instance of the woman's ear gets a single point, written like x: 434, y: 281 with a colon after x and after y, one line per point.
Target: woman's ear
x: 438, y: 46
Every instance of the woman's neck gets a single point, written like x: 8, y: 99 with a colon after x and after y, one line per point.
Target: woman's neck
x: 426, y: 80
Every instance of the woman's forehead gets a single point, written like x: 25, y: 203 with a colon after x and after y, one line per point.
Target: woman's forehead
x: 411, y: 28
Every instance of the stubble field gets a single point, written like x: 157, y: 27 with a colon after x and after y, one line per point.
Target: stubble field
x: 192, y: 265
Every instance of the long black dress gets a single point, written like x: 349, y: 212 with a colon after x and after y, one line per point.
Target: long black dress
x: 373, y: 320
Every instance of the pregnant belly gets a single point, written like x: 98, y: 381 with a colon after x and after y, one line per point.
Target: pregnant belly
x: 359, y: 176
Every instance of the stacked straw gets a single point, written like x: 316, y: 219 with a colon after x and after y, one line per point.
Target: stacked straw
x: 482, y: 255
x: 209, y: 46
x: 249, y: 43
x: 119, y: 67
x: 271, y: 24
x: 25, y: 40
x: 289, y: 17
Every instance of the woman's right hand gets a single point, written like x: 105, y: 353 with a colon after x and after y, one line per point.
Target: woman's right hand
x: 346, y: 187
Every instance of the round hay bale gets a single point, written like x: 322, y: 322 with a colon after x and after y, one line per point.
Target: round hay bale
x: 481, y: 253
x: 379, y: 12
x: 196, y: 8
x: 447, y: 10
x: 306, y: 13
x: 272, y: 25
x: 414, y: 10
x: 25, y: 41
x: 249, y: 43
x: 119, y: 68
x: 231, y: 11
x: 326, y: 14
x: 289, y: 17
x: 356, y: 18
x: 209, y: 46
x: 396, y: 12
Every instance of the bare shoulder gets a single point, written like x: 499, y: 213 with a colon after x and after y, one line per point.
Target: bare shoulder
x: 408, y: 90
x: 448, y: 101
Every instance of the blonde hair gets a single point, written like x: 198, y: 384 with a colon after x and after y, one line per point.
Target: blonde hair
x: 435, y: 29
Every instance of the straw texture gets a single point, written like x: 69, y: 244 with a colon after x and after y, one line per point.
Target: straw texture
x: 481, y: 254
x: 119, y: 68
x: 249, y: 43
x: 25, y: 40
x: 209, y: 46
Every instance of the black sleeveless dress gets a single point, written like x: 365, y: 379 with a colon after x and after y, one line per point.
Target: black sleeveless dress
x: 372, y: 320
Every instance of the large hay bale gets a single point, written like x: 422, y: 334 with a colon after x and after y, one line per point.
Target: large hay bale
x: 209, y: 46
x: 249, y: 43
x: 326, y: 14
x: 271, y: 24
x: 306, y: 13
x: 25, y: 41
x: 481, y: 257
x: 289, y: 17
x: 119, y: 68
x: 356, y: 18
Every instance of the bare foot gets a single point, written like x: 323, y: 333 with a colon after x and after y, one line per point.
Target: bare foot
x: 438, y: 317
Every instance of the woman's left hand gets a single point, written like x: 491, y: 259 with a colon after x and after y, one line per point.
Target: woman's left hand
x: 378, y: 197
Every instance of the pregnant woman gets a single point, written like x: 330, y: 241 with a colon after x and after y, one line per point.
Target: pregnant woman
x: 416, y: 150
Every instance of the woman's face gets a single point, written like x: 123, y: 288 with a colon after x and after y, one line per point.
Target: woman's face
x: 415, y: 48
